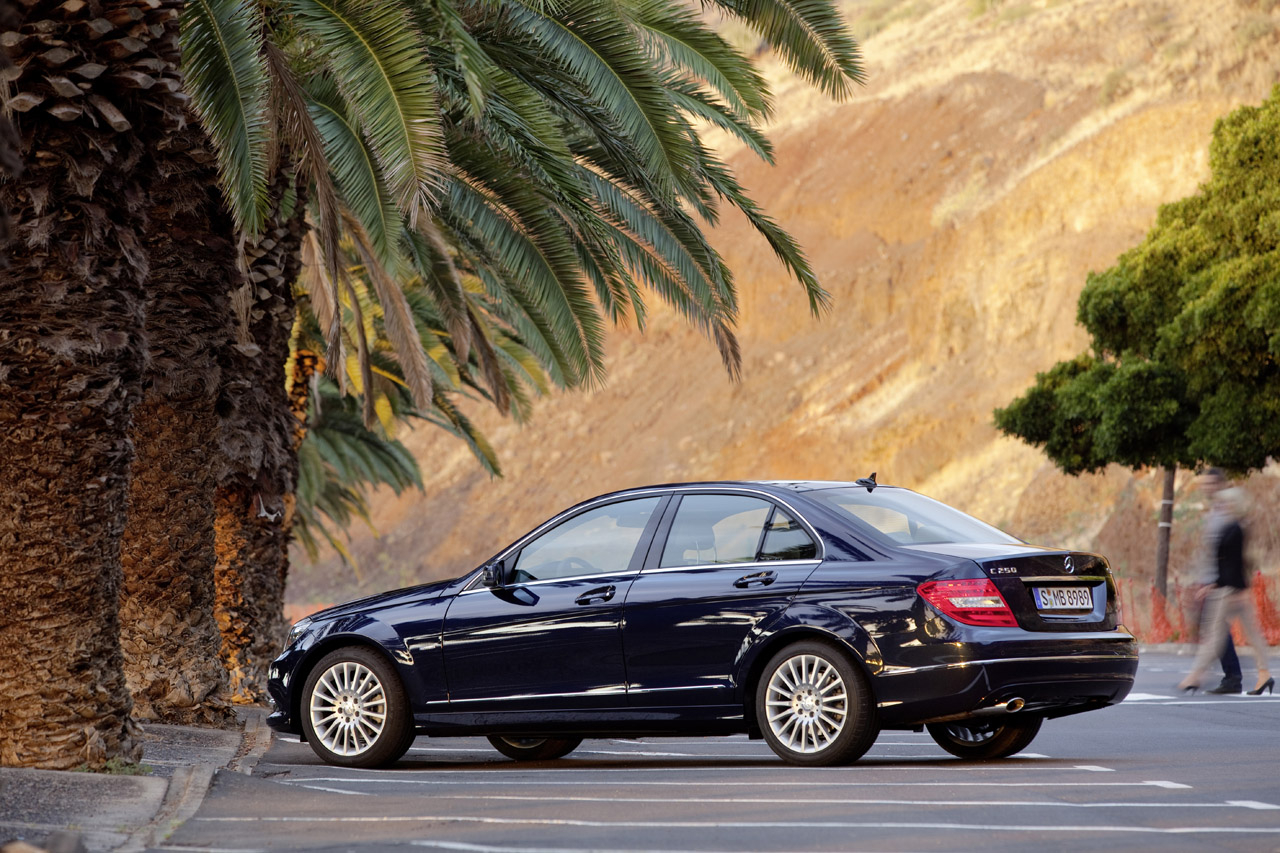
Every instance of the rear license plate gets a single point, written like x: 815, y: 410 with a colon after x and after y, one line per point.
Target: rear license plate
x: 1062, y: 598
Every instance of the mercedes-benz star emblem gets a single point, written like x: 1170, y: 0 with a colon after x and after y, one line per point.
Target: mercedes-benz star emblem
x: 1069, y: 565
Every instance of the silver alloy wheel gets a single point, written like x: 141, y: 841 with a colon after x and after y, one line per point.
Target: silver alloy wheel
x: 807, y: 703
x: 348, y: 708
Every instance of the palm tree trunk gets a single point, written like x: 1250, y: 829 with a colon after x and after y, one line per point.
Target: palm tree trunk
x: 169, y: 635
x: 252, y: 567
x: 254, y: 500
x: 93, y: 79
x: 10, y: 161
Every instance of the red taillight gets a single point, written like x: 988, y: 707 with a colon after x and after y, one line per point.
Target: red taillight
x: 973, y: 602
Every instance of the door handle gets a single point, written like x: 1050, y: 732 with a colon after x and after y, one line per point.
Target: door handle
x: 761, y: 578
x: 603, y: 593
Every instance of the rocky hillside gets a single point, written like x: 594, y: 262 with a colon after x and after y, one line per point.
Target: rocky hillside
x: 999, y: 152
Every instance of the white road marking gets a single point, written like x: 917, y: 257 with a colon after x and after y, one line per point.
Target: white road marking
x: 1238, y: 701
x: 508, y: 783
x: 489, y: 848
x: 943, y: 764
x: 763, y: 754
x: 842, y: 801
x: 1095, y: 768
x: 181, y: 849
x: 330, y: 790
x: 1252, y: 804
x: 745, y: 824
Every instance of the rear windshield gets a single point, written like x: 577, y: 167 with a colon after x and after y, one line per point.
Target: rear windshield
x: 907, y: 518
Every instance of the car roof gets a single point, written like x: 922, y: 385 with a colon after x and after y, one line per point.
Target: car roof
x: 764, y: 485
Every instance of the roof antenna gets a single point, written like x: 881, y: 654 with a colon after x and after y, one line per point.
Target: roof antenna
x: 869, y: 482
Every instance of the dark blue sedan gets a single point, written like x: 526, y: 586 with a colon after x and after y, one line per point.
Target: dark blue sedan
x: 811, y: 614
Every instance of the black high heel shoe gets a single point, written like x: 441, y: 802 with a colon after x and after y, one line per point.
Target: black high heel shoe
x: 1266, y: 685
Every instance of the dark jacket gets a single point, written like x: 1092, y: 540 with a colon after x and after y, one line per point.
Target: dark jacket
x: 1231, y: 557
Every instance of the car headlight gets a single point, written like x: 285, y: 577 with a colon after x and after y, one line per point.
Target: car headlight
x: 295, y: 633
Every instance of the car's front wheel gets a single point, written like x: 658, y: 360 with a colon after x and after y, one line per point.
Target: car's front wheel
x: 534, y: 748
x: 354, y: 710
x: 986, y: 740
x: 814, y: 706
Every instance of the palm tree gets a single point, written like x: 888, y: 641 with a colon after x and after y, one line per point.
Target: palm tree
x: 548, y: 155
x: 94, y: 87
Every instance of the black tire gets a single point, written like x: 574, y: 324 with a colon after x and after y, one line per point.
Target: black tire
x: 344, y: 695
x: 534, y: 748
x: 983, y: 740
x: 813, y: 690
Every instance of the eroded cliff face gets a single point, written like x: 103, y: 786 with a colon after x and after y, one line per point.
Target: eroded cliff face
x: 953, y: 208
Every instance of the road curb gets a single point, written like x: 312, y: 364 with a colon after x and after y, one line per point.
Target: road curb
x: 185, y: 794
x: 255, y: 740
x: 189, y: 784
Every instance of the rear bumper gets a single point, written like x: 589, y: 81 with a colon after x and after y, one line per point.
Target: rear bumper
x: 1050, y: 685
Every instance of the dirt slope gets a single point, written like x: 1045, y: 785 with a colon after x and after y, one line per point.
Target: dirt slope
x: 953, y: 208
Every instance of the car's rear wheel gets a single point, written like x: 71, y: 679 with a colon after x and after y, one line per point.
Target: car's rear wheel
x: 987, y: 739
x: 354, y: 710
x: 814, y: 706
x: 534, y: 748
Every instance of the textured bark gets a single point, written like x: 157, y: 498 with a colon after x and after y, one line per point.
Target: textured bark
x: 252, y: 566
x: 10, y: 159
x: 170, y: 638
x: 71, y: 361
x: 255, y: 497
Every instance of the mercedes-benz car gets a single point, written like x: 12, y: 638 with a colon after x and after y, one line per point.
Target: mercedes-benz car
x: 813, y: 615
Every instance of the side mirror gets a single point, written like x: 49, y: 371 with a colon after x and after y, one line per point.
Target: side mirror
x: 491, y: 575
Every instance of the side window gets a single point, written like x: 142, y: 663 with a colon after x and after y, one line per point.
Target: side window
x: 787, y: 540
x: 599, y: 540
x: 712, y: 529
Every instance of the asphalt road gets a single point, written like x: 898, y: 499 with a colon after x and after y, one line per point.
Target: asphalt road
x: 1159, y: 772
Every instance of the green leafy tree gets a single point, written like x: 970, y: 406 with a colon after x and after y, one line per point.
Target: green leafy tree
x: 1185, y: 365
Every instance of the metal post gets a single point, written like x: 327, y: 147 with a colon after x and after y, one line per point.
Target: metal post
x: 1162, y: 536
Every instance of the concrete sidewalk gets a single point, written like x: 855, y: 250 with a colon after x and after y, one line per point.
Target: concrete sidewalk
x: 69, y: 812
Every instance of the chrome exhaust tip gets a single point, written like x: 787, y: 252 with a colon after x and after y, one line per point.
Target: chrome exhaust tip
x: 1014, y: 705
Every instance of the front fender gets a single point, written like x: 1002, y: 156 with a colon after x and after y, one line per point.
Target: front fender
x: 416, y: 660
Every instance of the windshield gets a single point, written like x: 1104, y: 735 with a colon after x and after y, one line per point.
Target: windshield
x: 906, y: 518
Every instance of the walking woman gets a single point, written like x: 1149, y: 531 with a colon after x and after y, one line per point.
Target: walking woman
x: 1228, y: 599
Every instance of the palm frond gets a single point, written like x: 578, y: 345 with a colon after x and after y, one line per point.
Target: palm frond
x: 783, y: 244
x: 588, y: 38
x: 398, y: 319
x: 300, y: 135
x: 810, y: 35
x: 543, y: 263
x: 356, y: 170
x: 325, y: 303
x: 677, y: 39
x: 379, y: 62
x: 226, y: 76
x: 438, y: 274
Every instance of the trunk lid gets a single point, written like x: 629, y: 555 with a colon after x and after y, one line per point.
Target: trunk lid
x: 1055, y: 590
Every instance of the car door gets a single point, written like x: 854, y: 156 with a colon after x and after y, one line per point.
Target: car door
x: 550, y: 636
x: 727, y: 562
